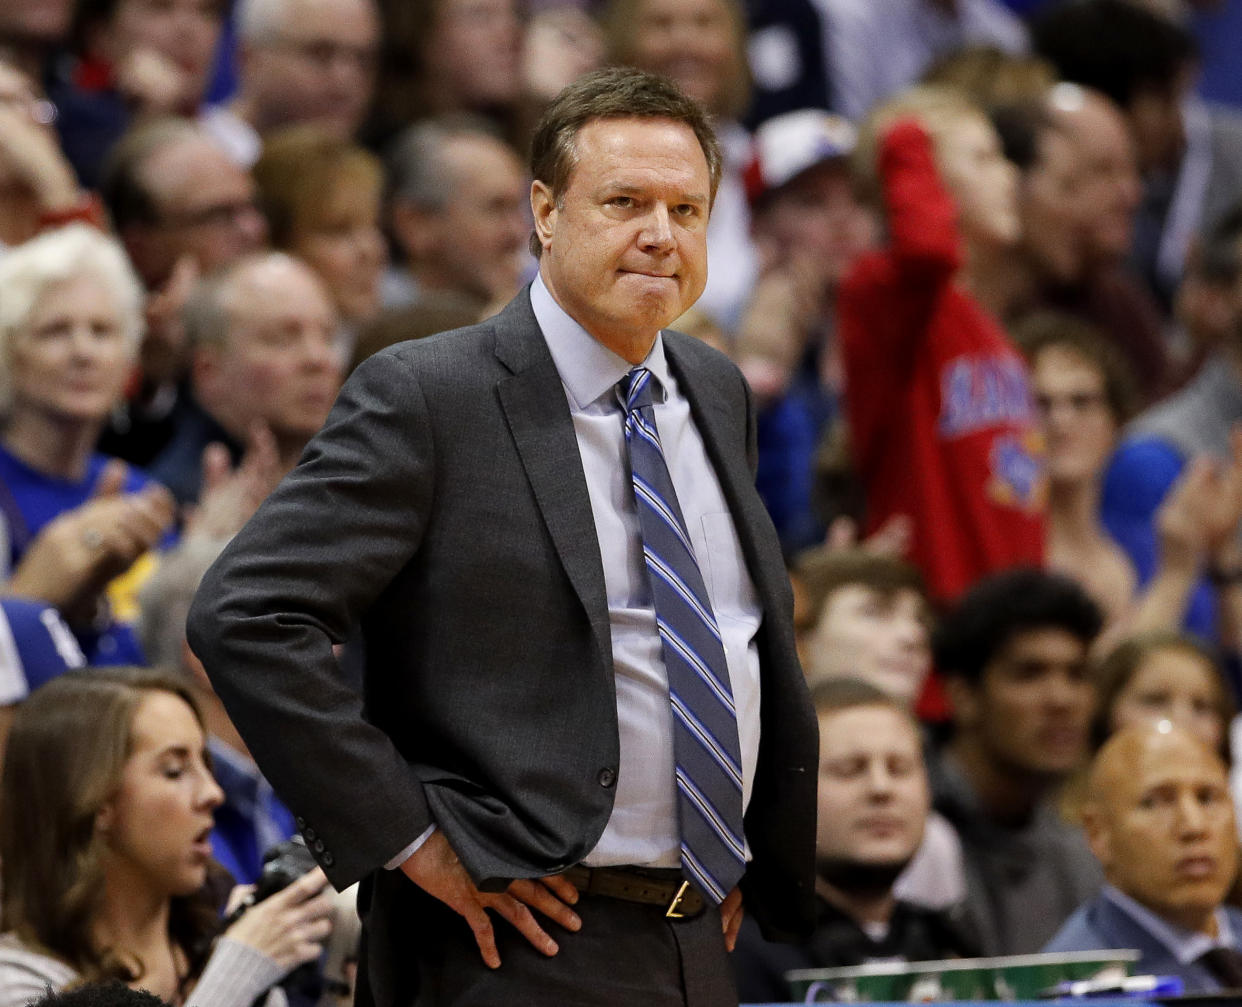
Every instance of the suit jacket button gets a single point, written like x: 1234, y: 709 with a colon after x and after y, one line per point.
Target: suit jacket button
x: 318, y: 845
x: 309, y: 834
x: 327, y: 859
x: 301, y: 822
x: 607, y: 777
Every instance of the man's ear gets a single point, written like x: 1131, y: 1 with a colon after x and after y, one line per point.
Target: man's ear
x: 965, y: 700
x: 205, y: 373
x: 543, y: 209
x: 1096, y: 830
x: 105, y: 817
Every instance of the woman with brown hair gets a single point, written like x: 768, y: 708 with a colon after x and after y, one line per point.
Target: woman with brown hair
x: 106, y: 804
x: 1163, y: 676
x: 321, y: 195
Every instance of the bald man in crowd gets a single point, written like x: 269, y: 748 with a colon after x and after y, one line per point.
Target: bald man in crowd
x: 1160, y: 820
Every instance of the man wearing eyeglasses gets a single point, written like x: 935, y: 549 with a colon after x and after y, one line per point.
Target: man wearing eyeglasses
x: 301, y: 61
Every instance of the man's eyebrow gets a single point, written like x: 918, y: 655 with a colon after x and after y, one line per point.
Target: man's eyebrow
x: 625, y: 189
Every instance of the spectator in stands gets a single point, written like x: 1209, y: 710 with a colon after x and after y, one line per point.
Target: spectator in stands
x: 701, y: 46
x: 107, y: 767
x: 1161, y: 822
x: 1014, y: 653
x: 458, y: 211
x: 1189, y: 156
x: 132, y: 61
x: 300, y: 61
x: 32, y: 30
x: 182, y: 209
x: 942, y: 429
x: 250, y: 817
x: 265, y: 364
x: 1164, y: 676
x: 1078, y: 192
x: 38, y: 188
x: 876, y: 50
x: 445, y: 56
x: 809, y: 227
x: 1190, y: 438
x: 1084, y: 396
x: 322, y: 197
x: 70, y: 321
x: 869, y: 620
x: 873, y: 804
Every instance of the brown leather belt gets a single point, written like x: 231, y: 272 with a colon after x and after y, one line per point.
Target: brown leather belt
x: 649, y: 886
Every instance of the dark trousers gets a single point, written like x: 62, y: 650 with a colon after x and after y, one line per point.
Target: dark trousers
x: 625, y: 955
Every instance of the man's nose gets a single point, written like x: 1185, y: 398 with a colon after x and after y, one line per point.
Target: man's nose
x: 657, y: 229
x: 1191, y: 815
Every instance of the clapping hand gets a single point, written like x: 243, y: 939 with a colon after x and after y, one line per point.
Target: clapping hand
x: 71, y: 561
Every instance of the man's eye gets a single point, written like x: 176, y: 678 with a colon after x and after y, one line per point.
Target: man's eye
x: 623, y: 202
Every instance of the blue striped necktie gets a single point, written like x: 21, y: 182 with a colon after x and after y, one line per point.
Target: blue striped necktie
x: 705, y: 743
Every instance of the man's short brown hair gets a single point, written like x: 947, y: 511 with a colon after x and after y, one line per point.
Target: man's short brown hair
x: 612, y: 93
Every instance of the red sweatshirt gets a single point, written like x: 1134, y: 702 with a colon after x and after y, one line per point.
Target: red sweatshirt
x: 941, y: 423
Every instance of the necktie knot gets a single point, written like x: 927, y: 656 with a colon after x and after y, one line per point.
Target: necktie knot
x: 636, y: 389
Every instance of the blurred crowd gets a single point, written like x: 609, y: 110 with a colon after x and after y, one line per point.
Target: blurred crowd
x: 980, y: 262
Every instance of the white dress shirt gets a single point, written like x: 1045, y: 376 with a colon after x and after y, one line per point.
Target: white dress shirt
x: 643, y: 828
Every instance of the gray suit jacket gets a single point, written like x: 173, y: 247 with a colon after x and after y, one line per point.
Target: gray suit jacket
x: 1101, y: 925
x: 444, y: 507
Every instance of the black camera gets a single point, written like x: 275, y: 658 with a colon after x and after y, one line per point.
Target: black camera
x: 283, y: 864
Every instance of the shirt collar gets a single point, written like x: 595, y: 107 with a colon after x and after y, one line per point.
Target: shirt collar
x: 588, y: 369
x: 1185, y: 945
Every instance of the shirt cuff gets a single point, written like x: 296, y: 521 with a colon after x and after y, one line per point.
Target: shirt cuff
x: 410, y: 850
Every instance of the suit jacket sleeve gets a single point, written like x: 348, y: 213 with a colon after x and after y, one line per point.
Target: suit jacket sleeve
x: 301, y: 572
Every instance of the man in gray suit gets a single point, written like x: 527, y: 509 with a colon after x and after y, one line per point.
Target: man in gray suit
x: 521, y: 740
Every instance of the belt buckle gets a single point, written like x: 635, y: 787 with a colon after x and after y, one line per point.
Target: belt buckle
x: 672, y: 912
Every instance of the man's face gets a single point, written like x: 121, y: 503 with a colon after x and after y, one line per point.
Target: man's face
x: 184, y: 32
x: 473, y: 53
x: 873, y: 793
x: 690, y: 41
x: 816, y: 219
x: 1164, y: 831
x: 1031, y: 709
x: 1079, y: 427
x: 477, y: 242
x: 880, y: 637
x: 280, y: 362
x: 625, y: 247
x: 320, y: 67
x: 1110, y: 183
x: 1052, y: 209
x: 205, y: 206
x: 984, y: 185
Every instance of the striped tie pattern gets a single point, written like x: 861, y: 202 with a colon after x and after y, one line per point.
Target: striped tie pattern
x: 705, y: 742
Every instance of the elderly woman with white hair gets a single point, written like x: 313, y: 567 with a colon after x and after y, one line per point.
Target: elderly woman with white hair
x: 70, y: 322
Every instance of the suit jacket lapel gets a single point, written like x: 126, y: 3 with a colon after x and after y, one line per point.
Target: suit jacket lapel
x: 534, y: 404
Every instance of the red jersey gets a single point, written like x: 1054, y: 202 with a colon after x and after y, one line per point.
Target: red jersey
x: 941, y: 421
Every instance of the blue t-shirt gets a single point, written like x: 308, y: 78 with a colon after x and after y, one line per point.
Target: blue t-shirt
x: 1138, y: 478
x: 30, y: 499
